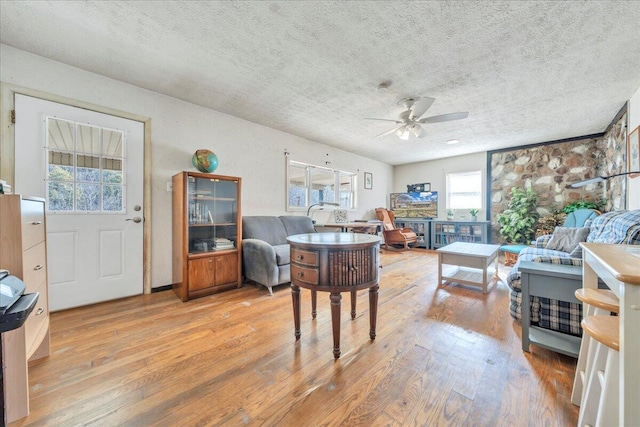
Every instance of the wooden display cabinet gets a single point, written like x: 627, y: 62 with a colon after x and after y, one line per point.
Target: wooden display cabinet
x: 207, y: 234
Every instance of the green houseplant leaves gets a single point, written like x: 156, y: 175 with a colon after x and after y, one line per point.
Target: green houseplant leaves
x: 518, y: 221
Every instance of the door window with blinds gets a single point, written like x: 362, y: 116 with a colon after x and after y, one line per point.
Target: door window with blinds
x: 85, y: 167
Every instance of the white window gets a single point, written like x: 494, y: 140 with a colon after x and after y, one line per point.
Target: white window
x: 309, y: 185
x: 464, y: 190
x: 85, y: 167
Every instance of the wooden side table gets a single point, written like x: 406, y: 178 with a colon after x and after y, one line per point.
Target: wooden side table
x: 335, y: 263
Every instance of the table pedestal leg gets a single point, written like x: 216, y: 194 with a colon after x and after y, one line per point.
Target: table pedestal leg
x: 354, y: 297
x: 373, y: 310
x: 295, y: 296
x: 314, y: 302
x: 335, y: 322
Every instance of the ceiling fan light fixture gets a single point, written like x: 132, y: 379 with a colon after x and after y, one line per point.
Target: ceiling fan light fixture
x: 418, y: 130
x: 403, y: 133
x: 453, y: 141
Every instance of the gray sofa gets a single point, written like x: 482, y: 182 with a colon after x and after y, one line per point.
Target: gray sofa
x: 265, y: 251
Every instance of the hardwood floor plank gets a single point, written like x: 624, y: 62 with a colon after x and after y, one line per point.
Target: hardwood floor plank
x: 443, y: 355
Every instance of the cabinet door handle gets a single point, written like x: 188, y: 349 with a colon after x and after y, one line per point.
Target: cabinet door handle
x: 38, y: 267
x: 40, y: 311
x: 36, y: 222
x: 300, y: 274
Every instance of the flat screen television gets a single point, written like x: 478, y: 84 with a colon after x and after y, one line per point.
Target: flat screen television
x: 414, y: 204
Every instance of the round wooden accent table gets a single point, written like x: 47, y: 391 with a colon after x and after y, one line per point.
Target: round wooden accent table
x: 335, y: 263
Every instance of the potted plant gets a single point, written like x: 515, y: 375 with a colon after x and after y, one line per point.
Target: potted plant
x: 473, y: 214
x: 548, y: 223
x: 451, y: 214
x: 585, y: 204
x: 518, y: 221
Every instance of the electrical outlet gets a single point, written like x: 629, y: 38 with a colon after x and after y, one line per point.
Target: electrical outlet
x: 169, y: 186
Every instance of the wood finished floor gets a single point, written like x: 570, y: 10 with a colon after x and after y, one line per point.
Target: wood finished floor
x: 443, y: 356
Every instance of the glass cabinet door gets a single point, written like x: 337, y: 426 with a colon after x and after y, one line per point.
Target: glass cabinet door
x: 212, y: 209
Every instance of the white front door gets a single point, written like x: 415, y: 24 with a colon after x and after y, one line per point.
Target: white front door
x: 89, y: 168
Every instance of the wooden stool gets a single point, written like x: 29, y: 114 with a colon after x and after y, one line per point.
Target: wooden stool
x: 595, y: 302
x: 601, y: 396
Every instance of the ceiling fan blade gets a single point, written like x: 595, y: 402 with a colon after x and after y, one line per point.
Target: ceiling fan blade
x: 420, y: 107
x: 389, y: 132
x: 384, y: 120
x: 418, y: 131
x: 445, y: 117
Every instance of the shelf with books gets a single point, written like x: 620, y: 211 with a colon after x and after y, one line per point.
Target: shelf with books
x: 447, y: 232
x: 422, y: 228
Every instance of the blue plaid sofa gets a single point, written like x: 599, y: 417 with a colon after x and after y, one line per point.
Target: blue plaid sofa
x: 618, y: 227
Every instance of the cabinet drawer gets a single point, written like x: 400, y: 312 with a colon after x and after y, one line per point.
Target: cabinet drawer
x: 36, y: 325
x: 32, y: 223
x: 34, y: 266
x: 306, y: 275
x: 304, y: 257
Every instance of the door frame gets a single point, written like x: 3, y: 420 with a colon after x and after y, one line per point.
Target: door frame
x: 7, y: 153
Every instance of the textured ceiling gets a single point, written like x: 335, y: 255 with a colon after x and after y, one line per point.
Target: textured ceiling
x: 527, y: 72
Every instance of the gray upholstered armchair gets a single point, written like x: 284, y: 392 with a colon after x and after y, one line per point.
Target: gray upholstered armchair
x: 265, y: 251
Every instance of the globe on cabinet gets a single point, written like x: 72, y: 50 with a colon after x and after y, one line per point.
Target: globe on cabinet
x: 205, y: 160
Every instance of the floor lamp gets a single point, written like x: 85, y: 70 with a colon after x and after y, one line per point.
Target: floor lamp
x: 320, y: 204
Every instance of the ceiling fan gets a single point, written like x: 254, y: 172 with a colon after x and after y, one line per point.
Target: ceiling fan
x: 410, y: 121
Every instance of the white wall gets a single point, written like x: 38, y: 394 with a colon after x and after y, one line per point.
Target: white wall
x: 245, y: 149
x: 435, y: 171
x: 633, y: 185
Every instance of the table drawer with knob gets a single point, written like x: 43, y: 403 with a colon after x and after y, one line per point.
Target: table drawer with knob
x: 303, y: 274
x: 304, y: 257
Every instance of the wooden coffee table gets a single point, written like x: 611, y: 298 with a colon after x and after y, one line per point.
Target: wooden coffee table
x: 469, y: 263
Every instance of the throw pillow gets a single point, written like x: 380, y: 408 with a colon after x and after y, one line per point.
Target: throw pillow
x: 566, y: 239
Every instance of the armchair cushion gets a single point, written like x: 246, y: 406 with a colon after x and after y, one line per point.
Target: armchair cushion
x: 541, y: 241
x: 296, y: 225
x: 283, y: 254
x: 266, y: 228
x: 566, y: 239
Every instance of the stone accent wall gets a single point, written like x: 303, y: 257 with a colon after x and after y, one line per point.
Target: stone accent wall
x: 613, y: 150
x: 549, y: 169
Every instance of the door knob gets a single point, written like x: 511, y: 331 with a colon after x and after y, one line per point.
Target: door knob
x: 135, y: 219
